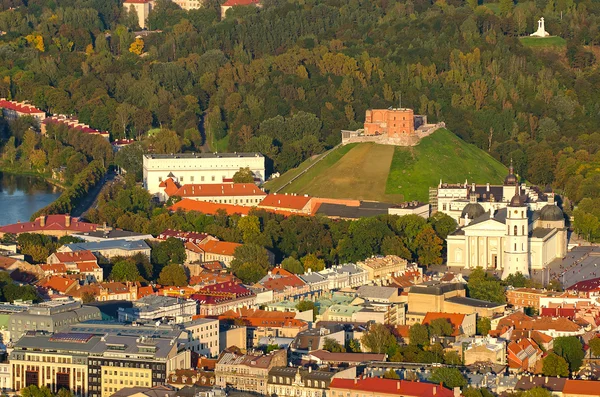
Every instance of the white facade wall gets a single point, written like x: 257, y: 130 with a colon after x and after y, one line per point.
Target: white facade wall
x: 203, y: 338
x: 248, y: 201
x: 142, y: 10
x: 199, y: 168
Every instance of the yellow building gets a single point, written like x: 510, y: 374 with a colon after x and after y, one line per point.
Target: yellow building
x: 383, y: 267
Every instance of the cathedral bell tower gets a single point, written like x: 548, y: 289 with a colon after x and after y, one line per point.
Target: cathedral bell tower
x: 516, y: 243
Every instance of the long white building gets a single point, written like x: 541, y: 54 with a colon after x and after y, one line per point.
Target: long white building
x: 199, y: 168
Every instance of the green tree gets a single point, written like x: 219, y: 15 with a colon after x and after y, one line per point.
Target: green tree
x: 418, y: 335
x: 292, y: 265
x: 571, y: 349
x: 594, y: 345
x: 34, y: 391
x: 333, y: 346
x: 353, y: 346
x: 172, y: 250
x: 449, y: 377
x: 391, y: 374
x: 537, y: 392
x: 244, y: 175
x: 440, y: 327
x: 250, y: 262
x: 305, y: 305
x: 554, y: 365
x: 378, y: 339
x: 484, y: 287
x: 442, y: 224
x: 173, y: 274
x: 313, y: 263
x: 88, y: 297
x: 451, y: 357
x: 249, y: 227
x: 484, y: 325
x: 517, y: 280
x: 125, y: 270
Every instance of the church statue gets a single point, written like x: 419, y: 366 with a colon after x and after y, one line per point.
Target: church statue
x: 541, y: 30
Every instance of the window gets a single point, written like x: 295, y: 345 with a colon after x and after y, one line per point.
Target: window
x: 202, y: 178
x: 515, y: 246
x: 515, y: 230
x: 160, y: 178
x: 212, y: 178
x: 523, y: 230
x: 191, y: 179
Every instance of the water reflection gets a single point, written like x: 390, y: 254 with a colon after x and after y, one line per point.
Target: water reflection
x: 21, y: 196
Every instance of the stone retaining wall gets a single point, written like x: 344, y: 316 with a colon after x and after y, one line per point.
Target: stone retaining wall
x: 405, y: 140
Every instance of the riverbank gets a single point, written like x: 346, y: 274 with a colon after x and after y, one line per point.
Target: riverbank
x: 20, y: 172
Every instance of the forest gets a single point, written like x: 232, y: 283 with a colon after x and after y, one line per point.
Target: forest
x: 284, y: 79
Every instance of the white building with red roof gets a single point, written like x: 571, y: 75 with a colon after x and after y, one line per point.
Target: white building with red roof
x: 238, y: 3
x: 12, y: 110
x: 73, y: 123
x: 372, y: 387
x: 301, y: 204
x: 217, y: 299
x: 246, y: 194
x: 51, y: 225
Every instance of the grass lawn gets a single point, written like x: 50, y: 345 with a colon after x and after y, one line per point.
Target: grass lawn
x: 355, y: 171
x: 541, y: 42
x: 441, y: 155
x: 219, y: 146
x: 277, y: 183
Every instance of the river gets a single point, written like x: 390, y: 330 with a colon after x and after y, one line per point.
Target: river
x: 21, y: 196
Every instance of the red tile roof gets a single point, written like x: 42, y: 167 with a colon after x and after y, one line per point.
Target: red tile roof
x: 285, y: 201
x: 74, y: 124
x: 86, y: 267
x: 209, y: 278
x: 455, y: 319
x: 193, y: 237
x: 209, y: 208
x: 53, y: 222
x: 20, y: 107
x: 219, y: 247
x: 586, y: 286
x: 219, y: 190
x: 221, y: 293
x: 6, y: 262
x: 282, y: 283
x: 582, y: 387
x: 57, y: 283
x: 231, y: 3
x: 78, y: 256
x: 392, y: 387
x: 58, y: 268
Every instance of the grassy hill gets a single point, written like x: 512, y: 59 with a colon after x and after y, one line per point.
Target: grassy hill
x: 387, y: 173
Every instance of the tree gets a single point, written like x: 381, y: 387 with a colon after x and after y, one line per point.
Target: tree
x: 292, y: 265
x: 517, y: 280
x: 571, y: 349
x: 173, y: 274
x: 172, y: 250
x: 391, y: 374
x: 484, y: 325
x: 250, y: 263
x: 313, y: 263
x: 88, y: 297
x: 441, y: 327
x: 484, y: 287
x: 137, y: 47
x: 537, y: 392
x: 554, y: 365
x: 125, y: 270
x: 34, y: 391
x: 418, y: 335
x: 378, y: 339
x: 244, y: 175
x: 249, y: 226
x: 442, y: 224
x: 449, y: 377
x: 333, y: 346
x: 353, y: 346
x: 452, y: 357
x: 594, y: 344
x: 428, y: 247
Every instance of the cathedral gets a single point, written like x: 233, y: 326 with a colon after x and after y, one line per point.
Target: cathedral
x: 509, y: 228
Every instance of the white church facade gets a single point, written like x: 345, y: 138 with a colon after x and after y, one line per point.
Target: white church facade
x: 508, y: 233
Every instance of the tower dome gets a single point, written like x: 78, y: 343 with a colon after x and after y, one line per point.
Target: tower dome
x: 473, y: 210
x: 510, y: 179
x: 551, y: 212
x: 517, y: 200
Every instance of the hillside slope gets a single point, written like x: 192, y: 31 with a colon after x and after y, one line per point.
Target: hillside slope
x: 393, y: 174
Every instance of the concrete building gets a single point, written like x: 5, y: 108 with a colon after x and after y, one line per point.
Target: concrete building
x: 155, y: 307
x: 528, y: 297
x: 381, y: 268
x: 71, y: 123
x: 13, y: 110
x: 390, y: 122
x: 214, y: 168
x: 52, y: 316
x: 92, y: 365
x: 203, y: 336
x: 246, y: 194
x: 217, y: 299
x: 247, y: 372
x: 141, y: 8
x: 50, y: 225
x: 299, y: 382
x: 371, y: 387
x: 110, y: 249
x: 481, y: 349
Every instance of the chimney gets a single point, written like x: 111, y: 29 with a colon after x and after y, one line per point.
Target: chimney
x: 398, y: 386
x: 309, y: 370
x: 488, y: 187
x: 434, y: 390
x: 457, y: 391
x: 546, y: 381
x: 355, y: 381
x: 68, y: 220
x: 43, y: 221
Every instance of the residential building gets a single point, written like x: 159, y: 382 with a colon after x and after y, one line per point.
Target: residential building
x: 500, y: 224
x: 51, y: 225
x: 246, y: 194
x: 410, y: 208
x: 58, y: 284
x: 323, y: 357
x: 462, y: 324
x: 481, y: 350
x: 106, y: 233
x: 580, y: 388
x: 527, y: 297
x: 213, y: 250
x: 110, y: 249
x: 141, y: 8
x: 237, y: 3
x: 378, y: 294
x: 53, y: 316
x: 217, y: 299
x: 372, y: 387
x: 301, y: 204
x: 524, y: 355
x: 247, y: 372
x: 203, y: 336
x: 300, y: 382
x: 214, y: 168
x: 157, y: 391
x: 155, y: 307
x: 13, y: 110
x: 80, y: 262
x: 280, y: 285
x: 112, y: 291
x: 314, y: 339
x: 381, y: 268
x: 5, y: 377
x: 336, y: 277
x: 552, y: 384
x: 189, y: 377
x: 72, y: 123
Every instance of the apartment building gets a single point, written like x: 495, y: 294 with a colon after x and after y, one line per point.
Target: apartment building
x: 247, y: 372
x: 155, y: 307
x: 203, y: 336
x: 381, y: 268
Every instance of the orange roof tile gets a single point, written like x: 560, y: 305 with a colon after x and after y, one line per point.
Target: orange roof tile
x: 219, y: 247
x: 6, y: 262
x: 78, y: 256
x: 52, y: 222
x: 55, y: 268
x: 582, y: 387
x: 209, y: 208
x: 57, y: 283
x: 455, y: 319
x: 289, y: 202
x: 87, y: 267
x: 219, y: 190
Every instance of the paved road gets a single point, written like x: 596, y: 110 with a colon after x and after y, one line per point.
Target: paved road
x: 91, y: 201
